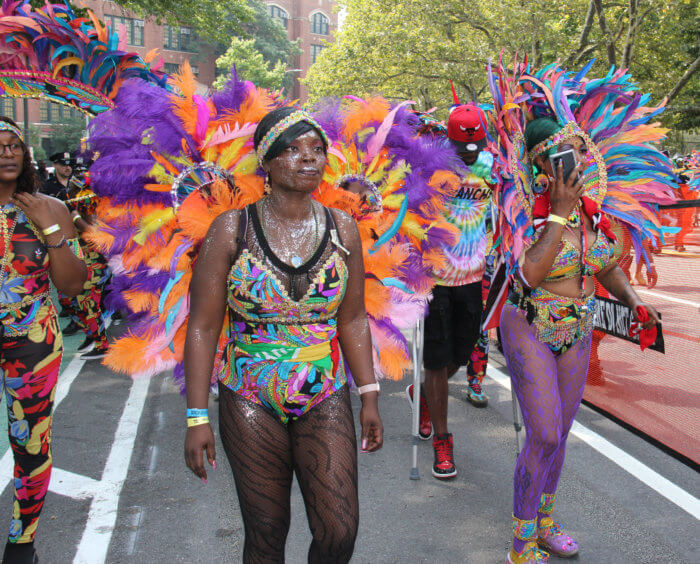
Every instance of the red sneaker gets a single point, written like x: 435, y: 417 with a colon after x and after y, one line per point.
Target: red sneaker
x: 444, y: 466
x: 425, y: 427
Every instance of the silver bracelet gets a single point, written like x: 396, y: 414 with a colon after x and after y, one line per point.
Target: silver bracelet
x: 368, y: 388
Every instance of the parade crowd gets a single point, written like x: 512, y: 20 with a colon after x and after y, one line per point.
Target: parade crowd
x: 270, y: 256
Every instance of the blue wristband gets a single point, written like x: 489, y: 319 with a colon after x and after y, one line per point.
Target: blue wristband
x: 197, y: 413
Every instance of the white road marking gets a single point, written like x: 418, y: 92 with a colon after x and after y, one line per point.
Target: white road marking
x: 72, y: 485
x: 103, y: 510
x: 667, y: 297
x: 686, y: 501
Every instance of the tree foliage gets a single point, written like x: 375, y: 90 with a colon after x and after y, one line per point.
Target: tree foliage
x: 270, y: 37
x: 250, y: 65
x: 410, y: 49
x: 212, y: 21
x: 64, y: 136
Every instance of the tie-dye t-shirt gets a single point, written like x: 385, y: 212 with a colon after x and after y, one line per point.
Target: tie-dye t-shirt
x: 469, y: 210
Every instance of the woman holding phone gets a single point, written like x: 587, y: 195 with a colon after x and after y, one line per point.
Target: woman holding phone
x: 547, y: 320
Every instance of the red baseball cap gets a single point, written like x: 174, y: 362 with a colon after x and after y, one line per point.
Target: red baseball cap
x: 466, y: 128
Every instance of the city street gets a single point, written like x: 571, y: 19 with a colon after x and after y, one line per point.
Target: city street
x: 120, y: 491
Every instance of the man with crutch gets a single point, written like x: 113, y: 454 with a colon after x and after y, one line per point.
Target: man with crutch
x: 453, y: 325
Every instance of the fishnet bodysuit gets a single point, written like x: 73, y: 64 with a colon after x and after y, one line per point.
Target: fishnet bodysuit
x: 319, y: 447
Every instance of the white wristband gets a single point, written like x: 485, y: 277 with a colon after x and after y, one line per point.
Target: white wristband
x: 368, y: 388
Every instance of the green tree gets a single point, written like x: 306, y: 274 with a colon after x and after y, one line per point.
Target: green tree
x: 213, y: 21
x: 64, y: 136
x: 270, y: 37
x: 410, y: 49
x: 250, y: 65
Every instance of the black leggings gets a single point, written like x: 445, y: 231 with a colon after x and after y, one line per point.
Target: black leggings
x: 320, y: 447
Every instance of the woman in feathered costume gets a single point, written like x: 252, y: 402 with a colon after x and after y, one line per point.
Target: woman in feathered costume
x: 554, y: 236
x: 49, y: 54
x: 290, y: 273
x: 154, y: 217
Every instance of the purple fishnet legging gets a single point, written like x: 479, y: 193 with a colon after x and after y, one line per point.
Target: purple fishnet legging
x: 549, y: 389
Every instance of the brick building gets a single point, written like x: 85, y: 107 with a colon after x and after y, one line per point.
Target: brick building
x: 175, y: 44
x: 312, y: 21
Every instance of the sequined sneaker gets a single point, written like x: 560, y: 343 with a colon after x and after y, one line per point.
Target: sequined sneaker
x: 425, y: 427
x: 530, y: 554
x: 552, y: 538
x: 476, y: 395
x: 444, y: 466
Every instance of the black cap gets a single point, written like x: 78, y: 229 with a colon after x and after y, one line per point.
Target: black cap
x: 63, y: 158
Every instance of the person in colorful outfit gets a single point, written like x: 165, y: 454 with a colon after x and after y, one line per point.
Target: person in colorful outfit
x: 291, y: 273
x: 453, y: 324
x: 38, y: 242
x: 88, y: 313
x: 554, y: 239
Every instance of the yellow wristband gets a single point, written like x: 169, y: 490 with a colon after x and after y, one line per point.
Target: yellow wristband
x: 76, y: 218
x: 557, y: 219
x: 51, y: 229
x: 192, y: 421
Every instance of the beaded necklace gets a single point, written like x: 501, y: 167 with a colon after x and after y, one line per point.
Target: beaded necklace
x: 7, y: 239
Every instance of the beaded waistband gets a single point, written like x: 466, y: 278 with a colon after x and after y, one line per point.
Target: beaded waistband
x: 16, y: 323
x: 559, y: 320
x: 27, y: 300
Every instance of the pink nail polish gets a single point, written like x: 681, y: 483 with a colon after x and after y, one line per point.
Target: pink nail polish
x: 205, y: 481
x: 364, y: 444
x: 213, y: 465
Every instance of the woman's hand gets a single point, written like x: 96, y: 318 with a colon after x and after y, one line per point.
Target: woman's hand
x: 654, y: 318
x: 37, y: 208
x: 199, y: 438
x: 372, y: 436
x: 564, y: 195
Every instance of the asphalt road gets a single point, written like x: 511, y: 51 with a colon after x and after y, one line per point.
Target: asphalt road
x: 121, y: 492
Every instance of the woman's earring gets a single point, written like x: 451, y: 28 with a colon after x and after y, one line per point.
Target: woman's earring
x: 268, y: 188
x: 541, y: 183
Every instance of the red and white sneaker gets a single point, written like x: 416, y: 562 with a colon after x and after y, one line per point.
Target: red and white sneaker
x: 444, y: 466
x: 425, y: 427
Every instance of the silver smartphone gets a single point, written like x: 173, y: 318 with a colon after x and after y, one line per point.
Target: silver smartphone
x: 568, y: 160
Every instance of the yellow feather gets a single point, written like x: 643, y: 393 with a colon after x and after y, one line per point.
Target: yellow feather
x: 152, y: 222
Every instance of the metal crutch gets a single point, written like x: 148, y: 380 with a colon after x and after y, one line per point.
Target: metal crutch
x: 517, y: 420
x: 417, y: 354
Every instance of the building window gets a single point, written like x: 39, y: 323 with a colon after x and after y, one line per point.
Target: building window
x: 7, y: 108
x: 56, y: 113
x: 279, y: 14
x: 171, y: 68
x: 319, y: 24
x: 179, y: 39
x: 315, y: 52
x: 133, y: 27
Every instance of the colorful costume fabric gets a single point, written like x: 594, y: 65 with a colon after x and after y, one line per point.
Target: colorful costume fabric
x: 468, y: 211
x: 31, y: 350
x: 282, y: 349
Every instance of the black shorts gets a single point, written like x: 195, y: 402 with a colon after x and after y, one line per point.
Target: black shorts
x: 452, y: 325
